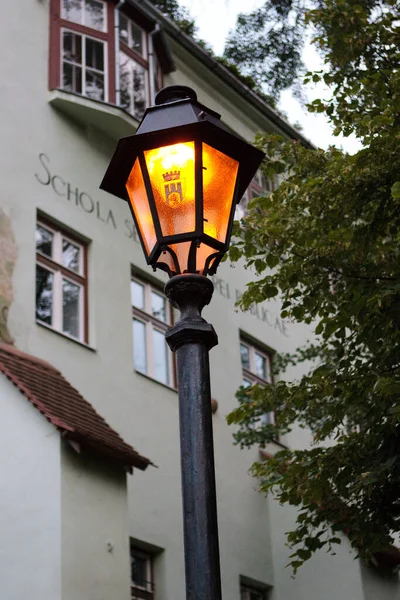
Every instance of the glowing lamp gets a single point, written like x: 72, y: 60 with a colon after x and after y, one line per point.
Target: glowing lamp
x: 182, y: 174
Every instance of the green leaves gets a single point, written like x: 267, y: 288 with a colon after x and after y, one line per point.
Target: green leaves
x: 395, y: 189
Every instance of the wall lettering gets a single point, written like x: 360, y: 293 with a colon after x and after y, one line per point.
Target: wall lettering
x: 81, y: 199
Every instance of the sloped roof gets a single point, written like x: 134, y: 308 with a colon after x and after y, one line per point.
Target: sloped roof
x: 48, y: 390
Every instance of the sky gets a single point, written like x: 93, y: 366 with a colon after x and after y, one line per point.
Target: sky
x: 215, y: 18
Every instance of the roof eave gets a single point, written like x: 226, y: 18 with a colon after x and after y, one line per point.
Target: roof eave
x: 180, y: 37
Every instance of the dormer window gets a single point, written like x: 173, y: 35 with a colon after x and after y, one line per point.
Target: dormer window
x: 104, y: 54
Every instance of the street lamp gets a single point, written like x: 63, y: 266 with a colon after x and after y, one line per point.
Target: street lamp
x: 183, y: 174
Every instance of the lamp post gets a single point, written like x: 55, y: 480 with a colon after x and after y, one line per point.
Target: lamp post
x: 183, y: 174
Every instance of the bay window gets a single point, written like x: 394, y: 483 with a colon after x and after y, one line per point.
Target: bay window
x: 103, y: 54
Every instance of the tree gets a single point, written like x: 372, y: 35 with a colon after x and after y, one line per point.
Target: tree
x: 267, y: 43
x: 326, y: 241
x: 177, y: 13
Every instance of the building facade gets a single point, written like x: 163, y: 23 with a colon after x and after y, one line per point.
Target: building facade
x: 75, y: 290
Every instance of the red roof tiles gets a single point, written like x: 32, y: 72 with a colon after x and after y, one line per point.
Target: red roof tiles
x: 48, y: 390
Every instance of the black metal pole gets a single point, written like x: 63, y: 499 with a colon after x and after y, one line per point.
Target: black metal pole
x: 192, y: 338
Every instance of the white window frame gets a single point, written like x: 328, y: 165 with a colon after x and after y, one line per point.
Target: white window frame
x: 250, y: 374
x: 82, y: 21
x: 129, y: 42
x: 83, y: 66
x: 58, y: 277
x: 151, y: 324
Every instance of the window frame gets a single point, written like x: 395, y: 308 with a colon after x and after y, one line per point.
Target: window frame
x: 58, y: 23
x: 258, y: 186
x: 148, y: 589
x: 60, y: 272
x: 83, y: 66
x: 83, y: 12
x: 251, y: 375
x: 152, y: 323
x: 246, y: 590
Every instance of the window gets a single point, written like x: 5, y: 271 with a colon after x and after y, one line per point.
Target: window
x: 142, y: 585
x: 61, y: 281
x: 151, y: 317
x: 259, y: 186
x: 88, y: 57
x: 250, y: 593
x: 83, y: 65
x: 256, y: 368
x: 256, y: 364
x: 91, y: 13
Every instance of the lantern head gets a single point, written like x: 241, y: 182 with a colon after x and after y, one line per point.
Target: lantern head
x: 182, y: 174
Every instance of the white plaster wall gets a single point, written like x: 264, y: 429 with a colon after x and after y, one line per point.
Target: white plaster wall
x: 144, y: 412
x: 95, y: 538
x: 379, y: 586
x: 324, y: 576
x: 30, y: 520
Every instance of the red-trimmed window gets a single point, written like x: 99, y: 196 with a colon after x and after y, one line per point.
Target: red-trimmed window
x: 61, y: 281
x: 89, y: 59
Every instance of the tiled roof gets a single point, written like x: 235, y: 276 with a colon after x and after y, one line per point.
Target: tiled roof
x: 48, y: 390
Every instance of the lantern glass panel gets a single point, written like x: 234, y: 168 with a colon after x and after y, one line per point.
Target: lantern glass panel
x: 182, y: 253
x: 219, y: 180
x: 140, y: 206
x: 171, y: 173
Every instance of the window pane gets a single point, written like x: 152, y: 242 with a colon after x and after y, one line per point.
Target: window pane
x: 123, y: 29
x: 94, y: 14
x: 72, y: 78
x: 158, y: 306
x: 245, y: 356
x: 44, y: 241
x: 132, y: 86
x: 139, y: 571
x: 139, y: 346
x: 94, y: 85
x: 94, y: 54
x: 44, y: 295
x: 261, y: 365
x: 136, y: 39
x: 246, y: 383
x: 72, y: 10
x: 267, y: 419
x: 139, y: 91
x: 160, y: 356
x: 72, y: 47
x: 70, y: 255
x: 125, y: 82
x: 137, y: 294
x: 71, y: 296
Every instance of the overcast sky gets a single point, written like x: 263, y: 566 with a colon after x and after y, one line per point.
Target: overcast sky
x: 215, y: 18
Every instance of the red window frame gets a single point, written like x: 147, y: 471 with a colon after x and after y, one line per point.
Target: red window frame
x: 57, y: 23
